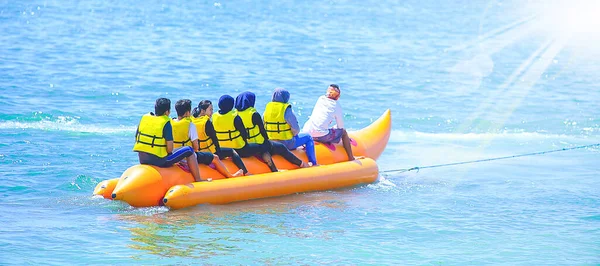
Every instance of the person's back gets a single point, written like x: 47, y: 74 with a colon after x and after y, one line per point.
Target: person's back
x: 186, y: 134
x: 154, y: 140
x: 153, y: 133
x: 208, y: 142
x: 282, y: 126
x: 231, y: 132
x: 205, y: 142
x: 254, y: 125
x: 151, y: 137
x: 326, y: 110
x: 280, y: 122
x: 228, y: 134
x: 184, y: 131
x: 254, y: 132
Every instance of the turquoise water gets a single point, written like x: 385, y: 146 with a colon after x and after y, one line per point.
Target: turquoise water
x: 465, y: 80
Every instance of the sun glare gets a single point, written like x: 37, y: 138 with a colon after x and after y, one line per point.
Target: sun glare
x: 579, y: 19
x: 573, y: 25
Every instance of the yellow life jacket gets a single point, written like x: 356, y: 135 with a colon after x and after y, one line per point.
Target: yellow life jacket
x: 205, y: 142
x: 227, y: 134
x: 181, y: 132
x: 254, y: 135
x: 275, y: 125
x: 149, y: 137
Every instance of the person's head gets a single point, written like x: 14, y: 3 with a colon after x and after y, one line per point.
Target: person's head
x: 281, y: 95
x: 183, y: 107
x: 245, y: 100
x: 205, y: 107
x: 333, y: 92
x: 225, y: 104
x: 162, y: 107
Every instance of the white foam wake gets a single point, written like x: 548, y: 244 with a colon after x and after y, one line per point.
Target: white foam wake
x: 69, y: 125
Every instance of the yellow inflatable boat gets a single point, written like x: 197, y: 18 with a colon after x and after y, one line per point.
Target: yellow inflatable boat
x: 145, y: 185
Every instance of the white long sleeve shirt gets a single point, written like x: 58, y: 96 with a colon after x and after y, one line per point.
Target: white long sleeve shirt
x: 326, y: 111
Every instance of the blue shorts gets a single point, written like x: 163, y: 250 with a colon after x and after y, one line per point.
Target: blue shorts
x: 171, y: 159
x: 334, y: 136
x: 205, y: 158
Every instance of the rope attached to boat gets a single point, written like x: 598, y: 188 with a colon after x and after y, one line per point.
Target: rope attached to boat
x: 489, y: 159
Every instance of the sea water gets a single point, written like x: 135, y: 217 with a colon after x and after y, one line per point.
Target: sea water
x: 465, y: 80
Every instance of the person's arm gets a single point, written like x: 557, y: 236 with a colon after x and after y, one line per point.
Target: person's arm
x: 239, y: 125
x: 193, y: 135
x: 168, y: 135
x: 212, y: 134
x: 169, y: 146
x: 257, y: 120
x: 339, y: 116
x: 291, y: 119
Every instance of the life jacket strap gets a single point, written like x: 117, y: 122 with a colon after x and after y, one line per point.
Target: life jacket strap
x: 151, y: 144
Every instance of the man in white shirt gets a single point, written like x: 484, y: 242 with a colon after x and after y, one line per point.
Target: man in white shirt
x: 326, y: 110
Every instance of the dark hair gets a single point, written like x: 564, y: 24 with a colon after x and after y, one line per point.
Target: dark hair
x: 335, y: 86
x: 182, y: 106
x: 196, y: 112
x: 161, y: 106
x: 204, y: 104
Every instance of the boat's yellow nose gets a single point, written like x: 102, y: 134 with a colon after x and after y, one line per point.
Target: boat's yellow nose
x: 106, y: 187
x: 177, y: 192
x: 140, y: 186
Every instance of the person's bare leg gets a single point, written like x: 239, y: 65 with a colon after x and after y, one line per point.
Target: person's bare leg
x: 223, y: 170
x: 267, y: 158
x: 238, y: 173
x: 347, y: 145
x: 193, y: 165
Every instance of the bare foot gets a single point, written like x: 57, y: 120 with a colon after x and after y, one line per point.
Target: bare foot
x: 304, y: 165
x: 282, y: 170
x: 238, y: 173
x: 247, y: 174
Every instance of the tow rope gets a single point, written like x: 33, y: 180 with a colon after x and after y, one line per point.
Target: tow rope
x: 417, y: 168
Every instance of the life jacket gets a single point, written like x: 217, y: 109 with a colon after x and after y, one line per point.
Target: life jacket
x: 181, y: 132
x: 149, y: 138
x: 227, y: 134
x: 205, y: 142
x: 254, y: 135
x: 275, y: 125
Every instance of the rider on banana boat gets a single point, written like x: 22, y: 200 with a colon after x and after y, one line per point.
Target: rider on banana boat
x: 154, y: 140
x: 185, y: 134
x: 282, y: 126
x: 207, y: 138
x: 244, y: 103
x: 325, y: 111
x: 231, y: 133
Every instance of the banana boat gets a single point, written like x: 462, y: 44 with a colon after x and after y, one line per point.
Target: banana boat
x: 324, y: 177
x: 146, y: 185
